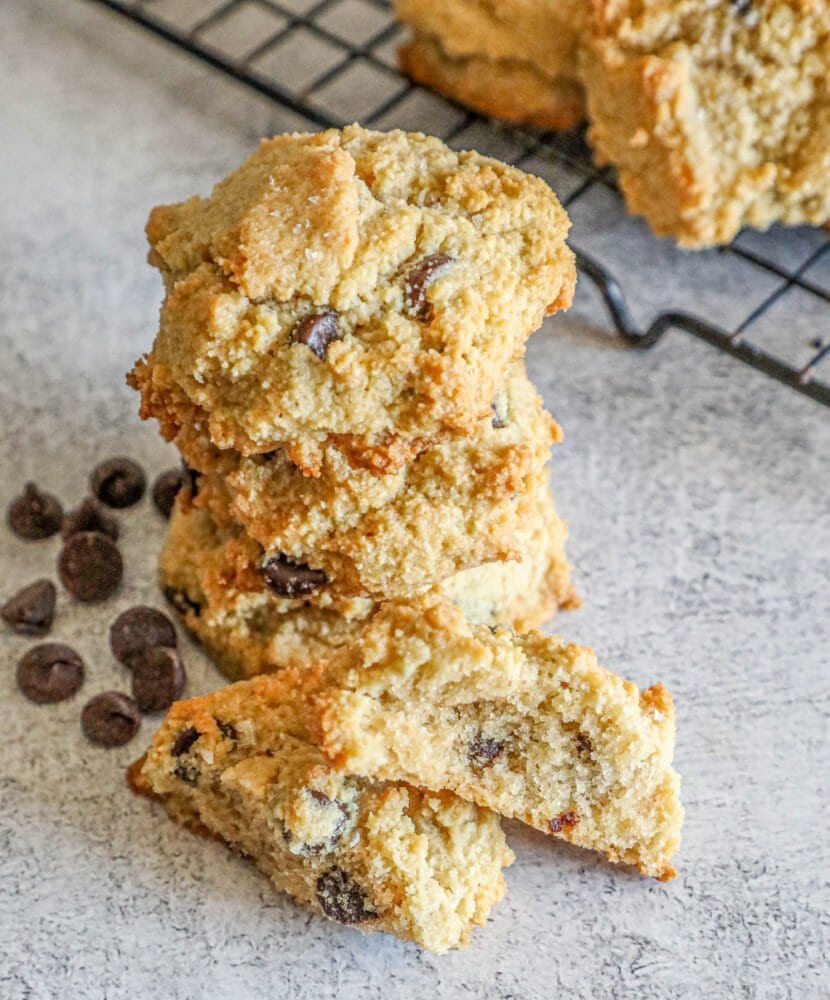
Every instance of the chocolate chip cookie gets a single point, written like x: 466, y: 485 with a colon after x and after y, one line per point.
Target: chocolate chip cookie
x: 457, y: 505
x: 355, y: 290
x: 214, y: 577
x: 378, y: 856
x: 529, y: 726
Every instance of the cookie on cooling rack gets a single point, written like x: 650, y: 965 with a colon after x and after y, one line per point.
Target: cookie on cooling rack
x: 214, y: 577
x: 716, y: 116
x: 378, y: 856
x: 358, y: 290
x: 515, y: 60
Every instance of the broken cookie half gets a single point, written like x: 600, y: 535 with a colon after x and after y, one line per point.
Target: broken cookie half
x: 528, y: 726
x: 381, y: 856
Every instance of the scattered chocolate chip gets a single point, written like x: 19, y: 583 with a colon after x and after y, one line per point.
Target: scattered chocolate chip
x: 34, y: 515
x: 341, y: 899
x: 186, y: 770
x: 741, y: 6
x: 419, y: 278
x: 184, y: 741
x: 90, y: 566
x: 227, y: 729
x: 31, y: 610
x: 268, y: 456
x: 181, y: 602
x: 483, y: 750
x: 110, y: 719
x: 564, y: 821
x: 290, y: 579
x: 316, y: 332
x: 583, y: 743
x: 165, y: 489
x: 118, y: 482
x: 137, y: 630
x: 89, y: 515
x: 158, y: 678
x: 50, y: 672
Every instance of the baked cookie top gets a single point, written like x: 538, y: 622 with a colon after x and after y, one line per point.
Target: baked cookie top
x: 717, y: 115
x: 458, y: 504
x: 529, y: 726
x: 356, y: 289
x: 214, y: 578
x: 241, y: 765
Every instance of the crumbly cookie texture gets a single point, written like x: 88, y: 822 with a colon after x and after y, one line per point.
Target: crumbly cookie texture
x: 458, y: 504
x: 529, y: 726
x: 513, y: 89
x: 515, y: 60
x: 715, y: 115
x: 213, y: 577
x: 354, y: 289
x: 379, y: 856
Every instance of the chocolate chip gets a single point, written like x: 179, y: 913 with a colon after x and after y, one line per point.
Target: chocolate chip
x: 499, y: 408
x: 50, y: 672
x: 34, y: 515
x: 89, y: 515
x: 158, y: 678
x: 741, y: 6
x: 563, y: 822
x: 184, y: 741
x: 90, y: 566
x: 118, y: 482
x: 110, y: 719
x: 191, y: 478
x: 186, y: 770
x: 290, y: 579
x: 483, y: 750
x: 31, y: 610
x: 419, y: 278
x: 341, y: 899
x: 181, y: 602
x: 227, y: 729
x: 316, y: 332
x: 137, y: 630
x: 165, y: 489
x: 583, y: 743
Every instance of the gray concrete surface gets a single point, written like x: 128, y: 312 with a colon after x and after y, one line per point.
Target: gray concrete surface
x: 697, y: 493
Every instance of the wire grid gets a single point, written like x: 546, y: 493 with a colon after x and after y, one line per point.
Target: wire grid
x: 764, y: 299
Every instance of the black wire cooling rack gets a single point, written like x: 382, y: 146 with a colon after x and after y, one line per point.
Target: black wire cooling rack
x: 764, y: 299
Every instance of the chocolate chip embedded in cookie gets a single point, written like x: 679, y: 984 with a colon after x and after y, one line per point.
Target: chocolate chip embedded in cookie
x: 355, y: 290
x: 290, y: 579
x: 317, y: 332
x: 342, y: 899
x: 34, y: 515
x: 242, y: 764
x: 31, y: 610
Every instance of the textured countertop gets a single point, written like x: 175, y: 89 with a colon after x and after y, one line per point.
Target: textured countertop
x: 697, y: 494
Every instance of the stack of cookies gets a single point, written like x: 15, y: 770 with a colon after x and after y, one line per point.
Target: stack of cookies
x: 368, y: 524
x: 714, y: 115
